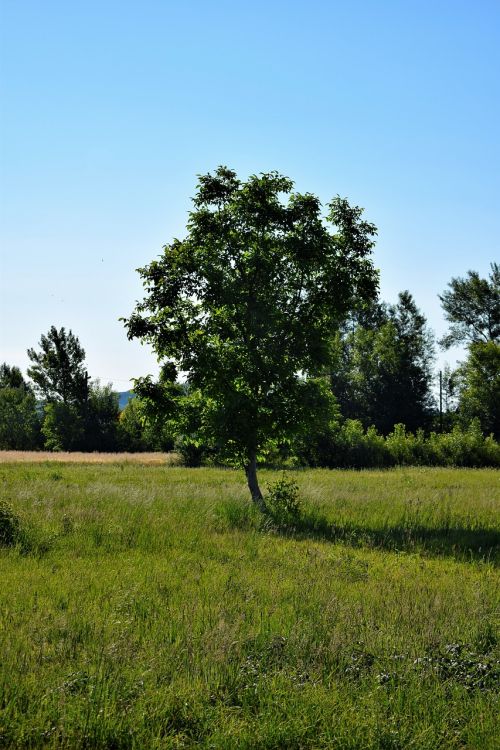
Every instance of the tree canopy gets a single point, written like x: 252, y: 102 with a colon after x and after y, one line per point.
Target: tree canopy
x: 58, y: 370
x: 381, y: 371
x: 472, y: 307
x: 246, y: 305
x: 19, y: 418
x: 12, y: 377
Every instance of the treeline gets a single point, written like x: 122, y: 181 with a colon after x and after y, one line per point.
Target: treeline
x: 60, y: 409
x: 387, y: 408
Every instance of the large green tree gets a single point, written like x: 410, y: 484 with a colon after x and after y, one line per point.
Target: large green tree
x: 381, y: 370
x: 247, y: 303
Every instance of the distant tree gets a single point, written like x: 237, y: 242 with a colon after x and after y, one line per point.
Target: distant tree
x: 478, y: 385
x: 101, y: 418
x: 131, y: 427
x: 12, y: 377
x: 381, y: 371
x: 138, y: 430
x: 63, y: 427
x: 79, y: 415
x: 91, y: 426
x: 58, y: 369
x: 247, y: 303
x: 19, y: 417
x: 472, y: 307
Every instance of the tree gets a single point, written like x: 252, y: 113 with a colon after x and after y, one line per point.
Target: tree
x: 88, y: 426
x: 472, y: 306
x: 58, y: 370
x: 478, y: 383
x: 79, y: 415
x: 63, y: 427
x: 19, y: 418
x: 12, y: 377
x: 247, y: 304
x: 101, y: 418
x: 138, y: 432
x: 381, y: 372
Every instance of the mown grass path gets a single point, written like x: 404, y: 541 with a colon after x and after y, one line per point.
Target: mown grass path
x: 151, y: 608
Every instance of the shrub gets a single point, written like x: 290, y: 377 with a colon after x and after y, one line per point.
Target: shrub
x: 19, y: 420
x: 10, y: 525
x: 407, y: 449
x: 351, y: 446
x: 464, y: 447
x: 137, y: 430
x: 283, y: 502
x: 192, y: 451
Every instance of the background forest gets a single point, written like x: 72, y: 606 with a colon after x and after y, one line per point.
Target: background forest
x: 390, y: 406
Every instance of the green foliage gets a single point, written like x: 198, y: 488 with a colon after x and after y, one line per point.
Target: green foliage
x: 156, y: 419
x: 283, y: 501
x: 63, y: 427
x: 100, y: 417
x: 357, y: 448
x: 10, y: 525
x: 472, y: 307
x: 19, y: 420
x: 381, y: 367
x: 350, y: 445
x: 58, y: 369
x: 463, y: 447
x: 89, y: 426
x: 477, y: 381
x: 12, y: 377
x: 131, y: 427
x: 247, y: 301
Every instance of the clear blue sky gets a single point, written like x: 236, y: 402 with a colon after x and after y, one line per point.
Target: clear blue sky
x: 110, y: 109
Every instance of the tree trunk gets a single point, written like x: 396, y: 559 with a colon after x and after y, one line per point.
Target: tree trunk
x: 253, y: 485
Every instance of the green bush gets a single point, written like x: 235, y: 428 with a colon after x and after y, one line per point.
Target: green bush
x: 283, y: 502
x: 463, y: 447
x: 10, y: 525
x: 19, y: 420
x: 137, y: 431
x: 193, y: 452
x: 351, y: 446
x: 63, y: 427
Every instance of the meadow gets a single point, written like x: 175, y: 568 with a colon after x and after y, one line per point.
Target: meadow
x: 151, y: 606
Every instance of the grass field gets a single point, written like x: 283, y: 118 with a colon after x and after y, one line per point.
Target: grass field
x: 149, y: 607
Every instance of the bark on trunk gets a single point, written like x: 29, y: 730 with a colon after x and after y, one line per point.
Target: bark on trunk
x: 253, y: 485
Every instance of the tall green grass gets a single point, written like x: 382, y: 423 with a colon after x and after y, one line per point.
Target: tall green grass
x: 155, y: 609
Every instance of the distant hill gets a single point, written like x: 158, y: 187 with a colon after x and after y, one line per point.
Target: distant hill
x: 124, y: 397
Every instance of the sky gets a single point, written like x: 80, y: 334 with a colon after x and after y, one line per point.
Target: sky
x: 109, y: 111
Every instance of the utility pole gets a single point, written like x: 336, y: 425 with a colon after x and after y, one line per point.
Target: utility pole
x: 440, y: 400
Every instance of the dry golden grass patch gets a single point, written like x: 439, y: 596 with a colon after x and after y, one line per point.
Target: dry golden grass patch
x: 148, y: 459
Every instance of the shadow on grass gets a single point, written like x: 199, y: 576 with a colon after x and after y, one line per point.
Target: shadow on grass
x: 462, y: 543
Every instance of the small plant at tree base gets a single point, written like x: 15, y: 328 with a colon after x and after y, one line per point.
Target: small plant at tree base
x: 10, y: 525
x: 283, y: 501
